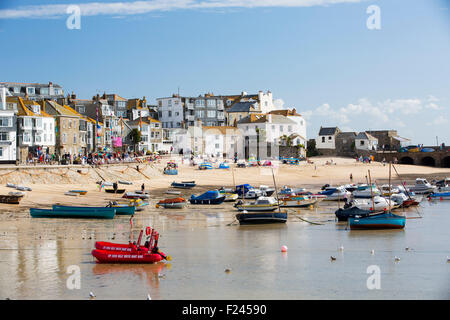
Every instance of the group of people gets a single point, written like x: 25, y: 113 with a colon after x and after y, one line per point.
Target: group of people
x: 366, y: 159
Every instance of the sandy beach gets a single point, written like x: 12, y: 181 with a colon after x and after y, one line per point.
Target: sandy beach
x: 49, y: 184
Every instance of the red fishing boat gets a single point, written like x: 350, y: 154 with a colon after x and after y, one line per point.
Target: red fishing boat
x: 107, y: 252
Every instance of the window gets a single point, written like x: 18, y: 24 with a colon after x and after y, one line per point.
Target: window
x: 44, y: 91
x: 169, y: 103
x: 1, y: 152
x: 160, y: 103
x: 45, y: 137
x: 70, y: 124
x: 362, y: 143
x: 217, y: 146
x: 323, y: 139
x: 273, y: 127
x: 211, y: 113
x: 217, y: 137
x: 57, y: 91
x: 16, y: 89
x: 211, y: 103
x: 4, y: 136
x: 281, y: 128
x: 81, y: 109
x: 289, y: 128
x: 74, y: 138
x: 45, y: 125
x: 200, y: 113
x: 5, y: 122
x: 30, y: 90
x: 170, y: 113
x: 176, y: 102
x: 64, y: 138
x: 38, y: 122
x: 37, y: 138
x: 26, y: 137
x: 329, y: 138
x: 200, y: 103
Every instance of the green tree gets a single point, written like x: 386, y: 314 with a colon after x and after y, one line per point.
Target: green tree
x: 311, y: 151
x: 136, y: 137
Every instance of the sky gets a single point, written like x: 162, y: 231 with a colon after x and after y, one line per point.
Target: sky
x: 318, y: 56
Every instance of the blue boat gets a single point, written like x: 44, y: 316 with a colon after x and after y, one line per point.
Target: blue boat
x: 224, y: 166
x: 353, y: 212
x: 386, y: 220
x: 205, y: 166
x: 262, y: 217
x: 99, y: 213
x: 183, y: 185
x: 120, y: 208
x: 209, y: 197
x: 440, y: 195
x: 171, y: 172
x: 243, y: 188
x: 123, y: 209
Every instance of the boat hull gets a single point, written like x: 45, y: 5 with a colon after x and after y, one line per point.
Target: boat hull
x: 108, y: 213
x: 125, y: 210
x: 182, y: 185
x: 104, y: 256
x: 118, y: 191
x: 261, y: 218
x: 10, y: 199
x: 218, y: 200
x: 379, y: 221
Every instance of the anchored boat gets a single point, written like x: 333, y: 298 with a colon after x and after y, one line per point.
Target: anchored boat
x: 176, y: 203
x: 74, y: 212
x: 262, y: 204
x: 209, y: 197
x: 294, y: 201
x: 183, y: 185
x: 378, y: 221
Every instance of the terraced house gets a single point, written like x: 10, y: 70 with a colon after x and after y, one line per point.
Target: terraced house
x: 35, y: 129
x: 67, y: 128
x: 8, y: 129
x: 151, y: 134
x: 34, y: 91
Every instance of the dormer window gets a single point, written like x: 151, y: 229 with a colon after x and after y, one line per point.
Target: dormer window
x: 30, y: 90
x: 36, y: 108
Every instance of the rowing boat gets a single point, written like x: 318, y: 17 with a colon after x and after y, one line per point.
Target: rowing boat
x: 100, y: 213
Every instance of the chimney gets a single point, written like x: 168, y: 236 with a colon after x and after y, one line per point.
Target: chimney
x: 50, y: 84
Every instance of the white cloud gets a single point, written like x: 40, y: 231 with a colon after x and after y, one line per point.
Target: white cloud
x: 142, y: 7
x: 279, y: 104
x: 440, y: 120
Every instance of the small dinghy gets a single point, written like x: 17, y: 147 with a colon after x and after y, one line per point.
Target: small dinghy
x: 205, y: 166
x: 105, y: 184
x: 295, y: 201
x: 173, y: 192
x: 107, y: 252
x: 122, y: 208
x: 72, y: 194
x: 439, y: 196
x: 81, y: 192
x: 73, y: 212
x: 183, y: 185
x: 125, y: 182
x: 11, y: 185
x: 11, y: 198
x: 118, y: 191
x: 139, y: 204
x: 209, y: 197
x: 386, y: 220
x: 23, y: 188
x: 132, y: 195
x: 176, y: 203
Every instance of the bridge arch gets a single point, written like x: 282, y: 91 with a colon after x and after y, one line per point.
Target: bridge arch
x: 406, y: 160
x: 428, y: 161
x: 446, y: 162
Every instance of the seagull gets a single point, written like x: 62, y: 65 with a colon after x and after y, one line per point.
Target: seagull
x: 341, y: 248
x: 227, y: 270
x: 397, y: 259
x: 148, y: 297
x: 407, y: 248
x: 332, y: 258
x: 372, y: 252
x: 91, y: 294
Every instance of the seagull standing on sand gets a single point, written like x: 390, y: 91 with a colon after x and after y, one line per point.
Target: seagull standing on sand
x: 372, y: 252
x: 397, y: 259
x: 91, y: 295
x: 148, y: 297
x: 332, y: 258
x: 341, y: 248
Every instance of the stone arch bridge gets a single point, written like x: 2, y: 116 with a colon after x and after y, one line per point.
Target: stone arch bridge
x: 431, y: 159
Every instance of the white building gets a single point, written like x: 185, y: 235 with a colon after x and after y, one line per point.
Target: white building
x: 299, y: 134
x: 365, y: 141
x: 327, y: 138
x: 8, y: 129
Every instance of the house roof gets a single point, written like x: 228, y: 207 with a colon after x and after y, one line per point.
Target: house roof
x: 145, y: 120
x: 286, y: 112
x: 366, y: 136
x: 222, y: 129
x: 242, y: 107
x: 62, y: 110
x: 330, y: 131
x: 24, y: 107
x: 30, y: 84
x: 263, y: 118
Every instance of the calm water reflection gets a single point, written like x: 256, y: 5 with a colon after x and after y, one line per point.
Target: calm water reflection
x: 35, y: 255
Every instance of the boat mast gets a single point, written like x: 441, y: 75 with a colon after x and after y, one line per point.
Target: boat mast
x: 389, y: 186
x: 276, y: 190
x: 371, y: 192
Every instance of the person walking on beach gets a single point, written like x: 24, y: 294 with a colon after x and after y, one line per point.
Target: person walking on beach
x: 115, y: 187
x: 142, y: 188
x: 351, y: 178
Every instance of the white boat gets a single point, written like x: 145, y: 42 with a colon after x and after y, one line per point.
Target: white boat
x: 295, y: 201
x: 11, y: 185
x: 289, y: 190
x: 368, y: 192
x: 367, y: 204
x: 399, y: 198
x: 23, y: 188
x: 266, y: 190
x: 422, y: 186
x: 443, y: 185
x: 252, y: 194
x: 173, y: 192
x: 261, y: 204
x: 73, y: 194
x: 386, y: 190
x: 335, y: 193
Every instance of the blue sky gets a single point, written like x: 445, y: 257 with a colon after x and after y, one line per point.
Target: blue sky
x: 315, y: 55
